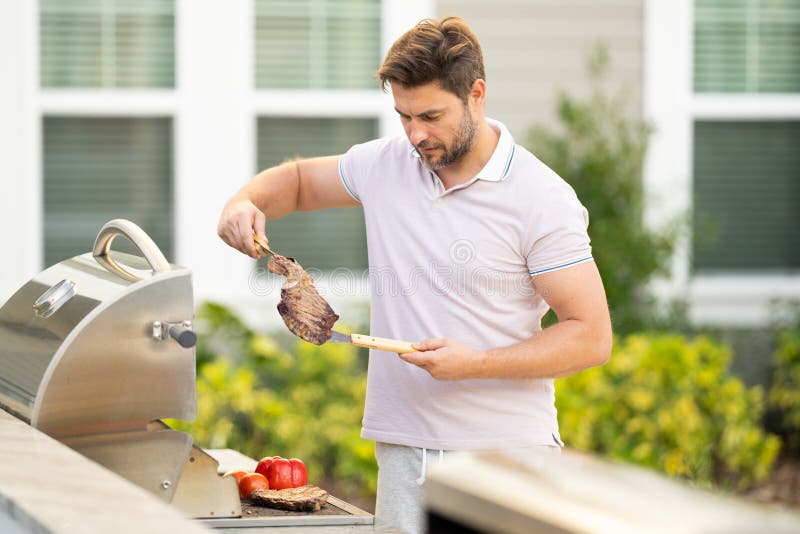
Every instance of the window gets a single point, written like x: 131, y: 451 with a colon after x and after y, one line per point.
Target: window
x: 317, y: 44
x: 747, y: 194
x: 107, y: 43
x: 326, y: 239
x: 98, y: 169
x: 747, y: 46
x: 330, y: 47
x: 158, y: 110
x: 746, y: 170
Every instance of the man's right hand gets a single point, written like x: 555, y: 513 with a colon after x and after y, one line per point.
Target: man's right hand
x: 240, y: 221
x: 299, y: 185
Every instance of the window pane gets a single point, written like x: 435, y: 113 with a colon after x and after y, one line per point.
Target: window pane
x: 317, y: 44
x: 98, y: 169
x: 747, y: 46
x: 325, y: 239
x: 107, y: 43
x: 746, y: 194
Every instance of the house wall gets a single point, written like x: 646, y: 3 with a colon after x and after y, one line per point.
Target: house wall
x: 532, y: 49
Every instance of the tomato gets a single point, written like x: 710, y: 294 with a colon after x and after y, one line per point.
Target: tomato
x: 251, y: 482
x: 283, y: 473
x: 235, y: 474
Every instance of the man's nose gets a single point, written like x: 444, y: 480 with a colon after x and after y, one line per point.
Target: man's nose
x: 417, y: 133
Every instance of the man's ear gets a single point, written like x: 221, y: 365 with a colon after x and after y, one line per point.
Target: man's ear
x: 477, y: 93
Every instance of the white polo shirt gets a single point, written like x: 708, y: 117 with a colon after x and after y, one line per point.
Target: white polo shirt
x: 458, y: 264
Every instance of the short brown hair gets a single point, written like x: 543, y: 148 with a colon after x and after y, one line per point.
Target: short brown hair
x: 443, y: 50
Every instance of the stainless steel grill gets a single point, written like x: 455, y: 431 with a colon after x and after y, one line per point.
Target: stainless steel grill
x: 96, y: 350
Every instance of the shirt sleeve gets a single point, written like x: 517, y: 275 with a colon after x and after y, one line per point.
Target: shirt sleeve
x: 355, y: 166
x: 558, y: 232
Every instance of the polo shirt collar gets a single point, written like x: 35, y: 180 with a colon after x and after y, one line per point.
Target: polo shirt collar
x: 499, y: 165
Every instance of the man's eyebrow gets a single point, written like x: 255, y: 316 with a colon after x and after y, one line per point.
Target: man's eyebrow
x: 426, y: 113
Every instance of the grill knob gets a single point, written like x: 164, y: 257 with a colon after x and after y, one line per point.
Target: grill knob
x: 183, y: 334
x: 180, y: 332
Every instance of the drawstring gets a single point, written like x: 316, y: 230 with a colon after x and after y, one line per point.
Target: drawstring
x: 421, y: 480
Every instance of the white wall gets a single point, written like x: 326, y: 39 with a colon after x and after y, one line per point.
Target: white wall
x: 214, y: 137
x: 534, y: 48
x: 20, y: 211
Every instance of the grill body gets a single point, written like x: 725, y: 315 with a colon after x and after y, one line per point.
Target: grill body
x: 96, y: 350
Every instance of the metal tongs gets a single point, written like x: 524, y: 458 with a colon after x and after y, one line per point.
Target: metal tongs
x: 266, y: 250
x: 359, y: 340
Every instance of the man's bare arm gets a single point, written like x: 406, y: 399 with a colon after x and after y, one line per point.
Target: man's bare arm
x: 581, y: 339
x: 300, y: 185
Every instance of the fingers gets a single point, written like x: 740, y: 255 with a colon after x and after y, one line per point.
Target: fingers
x: 229, y: 232
x: 239, y: 224
x: 245, y: 237
x: 419, y: 359
x: 424, y: 354
x: 431, y: 344
x: 259, y: 222
x: 259, y: 226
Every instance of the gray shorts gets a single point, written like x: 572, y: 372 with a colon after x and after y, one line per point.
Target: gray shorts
x: 401, y: 478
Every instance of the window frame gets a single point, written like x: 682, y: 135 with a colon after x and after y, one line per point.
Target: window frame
x: 735, y: 298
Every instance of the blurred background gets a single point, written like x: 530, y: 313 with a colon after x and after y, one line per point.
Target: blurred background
x: 678, y: 124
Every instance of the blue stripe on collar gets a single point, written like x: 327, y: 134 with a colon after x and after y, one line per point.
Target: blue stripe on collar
x: 510, y: 159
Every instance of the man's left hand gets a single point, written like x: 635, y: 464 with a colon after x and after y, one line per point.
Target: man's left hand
x: 446, y: 359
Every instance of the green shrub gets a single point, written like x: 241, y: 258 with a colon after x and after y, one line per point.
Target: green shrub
x: 598, y: 147
x: 260, y: 399
x: 784, y: 394
x: 669, y: 403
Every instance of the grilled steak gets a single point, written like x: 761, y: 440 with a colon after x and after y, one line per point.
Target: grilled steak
x: 304, y: 311
x: 302, y: 499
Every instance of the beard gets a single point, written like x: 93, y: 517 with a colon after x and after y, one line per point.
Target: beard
x: 458, y: 149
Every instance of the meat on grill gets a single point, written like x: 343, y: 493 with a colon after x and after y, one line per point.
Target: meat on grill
x: 302, y: 499
x: 302, y: 308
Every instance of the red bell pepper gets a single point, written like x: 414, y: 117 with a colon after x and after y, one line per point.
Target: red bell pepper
x: 282, y: 473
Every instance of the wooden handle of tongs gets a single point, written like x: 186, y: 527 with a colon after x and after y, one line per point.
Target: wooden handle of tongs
x: 382, y: 343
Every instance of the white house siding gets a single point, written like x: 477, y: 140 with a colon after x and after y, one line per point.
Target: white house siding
x: 534, y: 48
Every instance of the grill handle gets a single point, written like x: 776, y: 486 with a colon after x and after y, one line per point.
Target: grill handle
x: 149, y: 250
x: 181, y: 332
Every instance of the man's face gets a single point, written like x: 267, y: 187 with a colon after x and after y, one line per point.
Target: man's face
x: 438, y: 123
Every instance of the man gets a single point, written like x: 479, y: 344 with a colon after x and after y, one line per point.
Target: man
x: 482, y: 237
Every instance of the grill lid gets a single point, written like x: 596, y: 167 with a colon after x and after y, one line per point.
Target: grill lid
x: 79, y: 352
